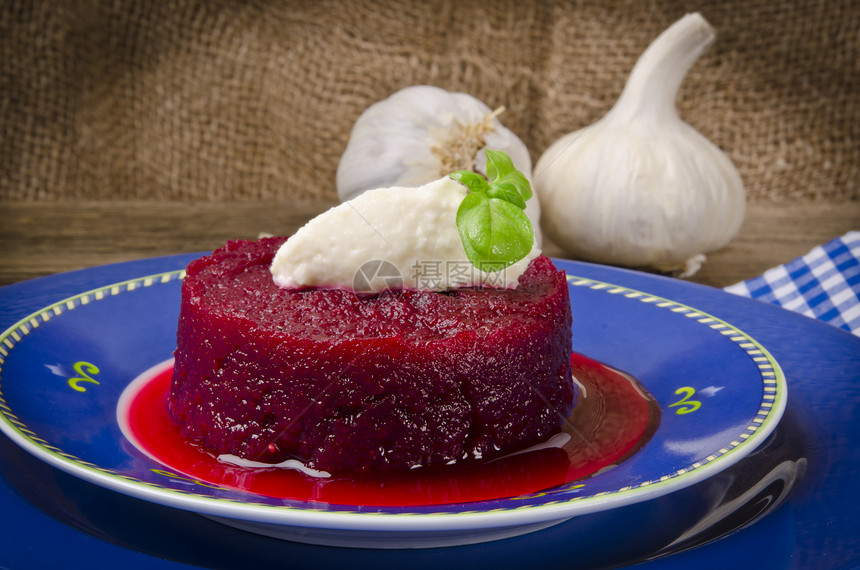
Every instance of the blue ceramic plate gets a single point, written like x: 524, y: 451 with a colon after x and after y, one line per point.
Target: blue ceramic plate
x: 64, y: 367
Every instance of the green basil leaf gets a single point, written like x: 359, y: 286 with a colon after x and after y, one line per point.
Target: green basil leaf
x: 507, y: 192
x: 493, y: 226
x: 495, y: 233
x: 519, y: 181
x: 501, y: 170
x: 498, y: 164
x: 472, y: 180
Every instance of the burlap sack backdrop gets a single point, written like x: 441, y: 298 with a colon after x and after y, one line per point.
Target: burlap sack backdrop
x: 215, y: 100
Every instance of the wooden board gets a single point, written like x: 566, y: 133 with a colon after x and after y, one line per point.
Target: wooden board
x: 38, y: 238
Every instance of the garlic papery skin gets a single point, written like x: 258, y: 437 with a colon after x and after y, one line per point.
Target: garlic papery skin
x: 641, y: 187
x: 421, y: 133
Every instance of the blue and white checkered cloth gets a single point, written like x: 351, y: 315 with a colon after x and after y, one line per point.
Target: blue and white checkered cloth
x: 823, y: 284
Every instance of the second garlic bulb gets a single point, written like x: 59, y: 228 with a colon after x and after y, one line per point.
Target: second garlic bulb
x: 640, y: 187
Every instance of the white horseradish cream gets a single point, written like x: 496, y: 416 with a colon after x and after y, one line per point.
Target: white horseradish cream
x: 288, y: 464
x: 388, y: 238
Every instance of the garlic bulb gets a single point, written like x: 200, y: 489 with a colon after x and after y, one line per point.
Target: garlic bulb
x: 640, y: 187
x: 422, y: 133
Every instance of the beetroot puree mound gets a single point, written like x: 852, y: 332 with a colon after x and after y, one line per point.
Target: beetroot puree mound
x: 357, y: 383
